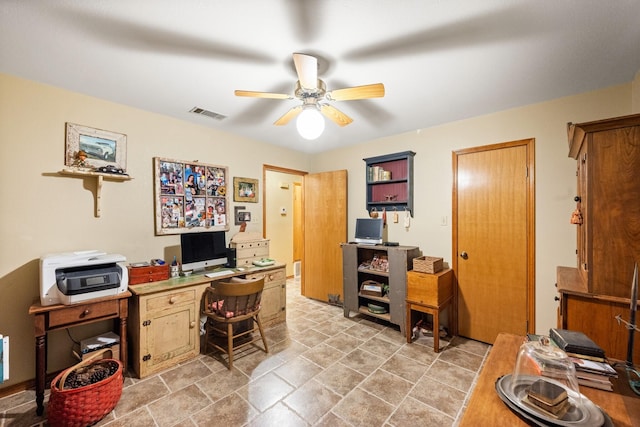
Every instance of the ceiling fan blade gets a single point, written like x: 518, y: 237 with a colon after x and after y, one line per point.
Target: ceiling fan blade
x: 286, y: 118
x: 307, y: 69
x: 252, y: 94
x: 375, y: 90
x: 332, y: 113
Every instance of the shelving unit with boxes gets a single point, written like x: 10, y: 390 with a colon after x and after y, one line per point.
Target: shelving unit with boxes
x: 387, y: 267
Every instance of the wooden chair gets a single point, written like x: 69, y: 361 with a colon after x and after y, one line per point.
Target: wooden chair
x: 232, y: 310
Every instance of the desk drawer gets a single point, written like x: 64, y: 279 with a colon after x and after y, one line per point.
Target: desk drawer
x: 279, y: 275
x: 171, y: 299
x: 83, y: 313
x: 253, y: 244
x: 275, y: 276
x: 255, y: 252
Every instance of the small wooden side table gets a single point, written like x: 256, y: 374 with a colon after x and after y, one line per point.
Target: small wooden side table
x: 430, y: 294
x: 59, y: 316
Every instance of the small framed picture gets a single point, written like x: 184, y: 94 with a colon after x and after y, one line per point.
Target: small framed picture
x: 243, y: 216
x: 91, y: 148
x: 245, y: 190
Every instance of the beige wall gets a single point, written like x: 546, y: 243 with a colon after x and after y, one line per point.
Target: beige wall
x: 46, y: 213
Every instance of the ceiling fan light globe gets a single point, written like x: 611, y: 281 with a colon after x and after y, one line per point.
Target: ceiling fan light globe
x: 310, y: 123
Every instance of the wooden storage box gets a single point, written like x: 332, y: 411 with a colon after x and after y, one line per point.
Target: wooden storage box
x: 146, y: 274
x: 430, y: 289
x: 427, y: 264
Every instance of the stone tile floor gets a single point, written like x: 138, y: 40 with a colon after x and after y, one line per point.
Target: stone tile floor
x: 322, y: 370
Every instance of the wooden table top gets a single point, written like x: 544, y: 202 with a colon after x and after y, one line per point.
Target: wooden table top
x: 486, y: 408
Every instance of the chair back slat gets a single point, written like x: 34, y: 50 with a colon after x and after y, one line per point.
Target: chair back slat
x: 232, y: 299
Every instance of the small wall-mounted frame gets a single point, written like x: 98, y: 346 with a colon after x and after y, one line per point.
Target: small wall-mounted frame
x: 237, y: 211
x: 100, y: 147
x: 243, y: 216
x: 245, y: 190
x: 190, y: 196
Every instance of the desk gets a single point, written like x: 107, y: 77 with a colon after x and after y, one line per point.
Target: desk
x: 165, y: 315
x: 486, y: 408
x: 53, y: 317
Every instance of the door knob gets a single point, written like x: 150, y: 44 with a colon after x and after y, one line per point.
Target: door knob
x: 464, y: 255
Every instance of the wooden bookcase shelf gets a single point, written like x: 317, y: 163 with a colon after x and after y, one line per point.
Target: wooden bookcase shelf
x: 389, y: 182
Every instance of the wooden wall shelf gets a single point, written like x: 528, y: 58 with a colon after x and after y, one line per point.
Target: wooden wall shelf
x: 393, y: 191
x: 99, y: 177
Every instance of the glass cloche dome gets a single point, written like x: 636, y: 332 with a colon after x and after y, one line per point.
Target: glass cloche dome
x: 543, y: 388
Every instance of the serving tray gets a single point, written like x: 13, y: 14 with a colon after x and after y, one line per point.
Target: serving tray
x: 581, y: 412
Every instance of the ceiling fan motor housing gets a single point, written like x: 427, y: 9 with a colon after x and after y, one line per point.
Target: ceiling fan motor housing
x: 310, y: 96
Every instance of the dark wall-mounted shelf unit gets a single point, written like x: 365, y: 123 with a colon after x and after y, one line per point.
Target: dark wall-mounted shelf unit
x: 390, y: 182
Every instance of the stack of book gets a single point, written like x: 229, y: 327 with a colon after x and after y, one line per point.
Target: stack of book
x: 549, y: 398
x: 592, y: 368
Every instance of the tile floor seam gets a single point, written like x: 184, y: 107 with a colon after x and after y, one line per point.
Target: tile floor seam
x: 408, y: 395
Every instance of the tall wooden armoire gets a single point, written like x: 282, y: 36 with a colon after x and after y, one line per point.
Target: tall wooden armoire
x: 608, y: 238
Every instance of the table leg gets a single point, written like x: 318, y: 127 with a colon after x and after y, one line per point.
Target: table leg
x: 41, y: 354
x: 436, y: 329
x: 452, y: 329
x: 124, y: 312
x: 408, y: 329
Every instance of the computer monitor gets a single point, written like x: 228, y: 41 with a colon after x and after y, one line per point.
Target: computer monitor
x: 201, y: 250
x: 369, y: 231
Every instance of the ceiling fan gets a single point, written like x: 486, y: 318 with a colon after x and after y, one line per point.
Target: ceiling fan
x: 313, y: 92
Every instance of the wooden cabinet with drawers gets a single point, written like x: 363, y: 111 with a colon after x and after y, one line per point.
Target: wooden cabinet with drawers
x: 250, y: 250
x: 598, y: 289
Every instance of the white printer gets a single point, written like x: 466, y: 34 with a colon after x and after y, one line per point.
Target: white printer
x: 74, y: 277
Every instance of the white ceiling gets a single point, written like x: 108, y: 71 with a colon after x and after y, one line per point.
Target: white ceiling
x: 440, y: 61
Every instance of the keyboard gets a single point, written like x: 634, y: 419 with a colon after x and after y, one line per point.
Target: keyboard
x: 218, y: 273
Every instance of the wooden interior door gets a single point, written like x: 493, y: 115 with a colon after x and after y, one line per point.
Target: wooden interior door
x: 493, y: 239
x: 325, y: 227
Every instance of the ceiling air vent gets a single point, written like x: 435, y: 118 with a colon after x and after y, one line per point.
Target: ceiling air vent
x: 207, y: 113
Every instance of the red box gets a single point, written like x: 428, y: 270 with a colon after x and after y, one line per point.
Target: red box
x: 147, y: 274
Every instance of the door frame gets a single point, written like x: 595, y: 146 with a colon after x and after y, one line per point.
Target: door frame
x: 271, y: 168
x: 530, y: 218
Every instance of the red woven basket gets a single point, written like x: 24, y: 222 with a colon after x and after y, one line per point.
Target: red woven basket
x: 83, y: 406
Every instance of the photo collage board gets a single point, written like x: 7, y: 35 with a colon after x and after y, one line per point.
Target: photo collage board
x: 190, y: 196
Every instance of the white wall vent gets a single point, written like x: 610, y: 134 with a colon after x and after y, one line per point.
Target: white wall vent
x: 297, y: 269
x: 203, y: 112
